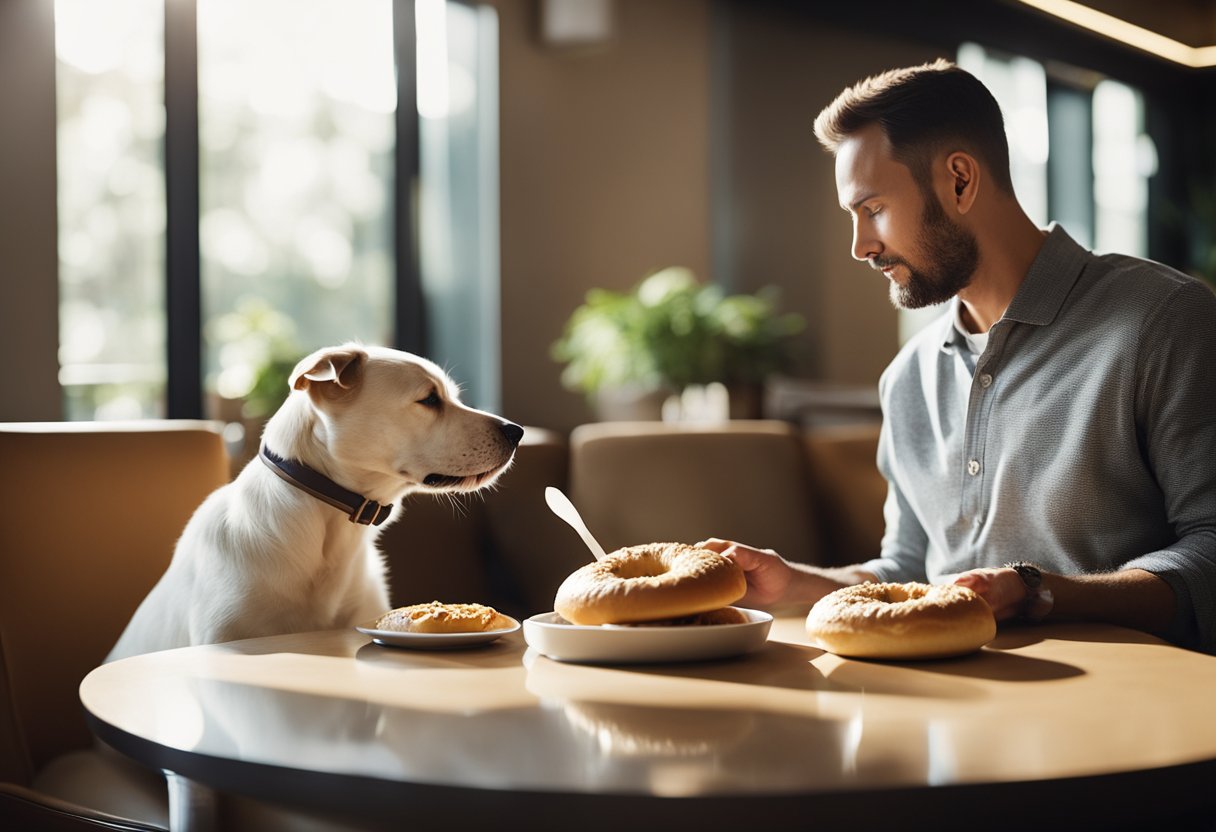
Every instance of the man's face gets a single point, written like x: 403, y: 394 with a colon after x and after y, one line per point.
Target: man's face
x: 898, y: 228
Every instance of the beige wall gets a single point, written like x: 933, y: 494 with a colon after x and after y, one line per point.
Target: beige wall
x: 29, y: 290
x: 604, y: 178
x: 606, y: 165
x: 788, y: 226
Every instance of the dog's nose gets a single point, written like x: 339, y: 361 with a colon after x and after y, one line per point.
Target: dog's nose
x: 513, y: 432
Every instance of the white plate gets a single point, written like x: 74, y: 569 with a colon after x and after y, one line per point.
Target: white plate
x: 551, y: 635
x: 434, y: 641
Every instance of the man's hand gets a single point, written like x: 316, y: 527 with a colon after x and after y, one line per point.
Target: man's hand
x: 768, y: 574
x: 1002, y: 588
x: 773, y: 580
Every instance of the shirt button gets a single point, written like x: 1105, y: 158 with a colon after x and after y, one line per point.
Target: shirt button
x: 985, y: 380
x: 973, y: 467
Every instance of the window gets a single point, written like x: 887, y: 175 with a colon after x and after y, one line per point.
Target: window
x: 1124, y: 161
x: 296, y: 102
x: 300, y: 213
x: 458, y: 199
x: 110, y: 93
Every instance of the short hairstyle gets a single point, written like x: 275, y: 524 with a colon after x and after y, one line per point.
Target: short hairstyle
x: 924, y: 110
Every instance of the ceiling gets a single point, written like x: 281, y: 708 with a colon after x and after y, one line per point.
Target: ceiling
x: 1182, y: 31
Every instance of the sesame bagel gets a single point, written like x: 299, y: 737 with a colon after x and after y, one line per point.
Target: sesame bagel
x: 649, y: 582
x: 901, y: 621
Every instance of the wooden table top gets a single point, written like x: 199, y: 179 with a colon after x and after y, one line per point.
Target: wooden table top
x: 788, y: 728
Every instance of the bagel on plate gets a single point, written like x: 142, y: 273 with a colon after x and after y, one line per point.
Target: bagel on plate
x: 652, y: 584
x: 438, y: 617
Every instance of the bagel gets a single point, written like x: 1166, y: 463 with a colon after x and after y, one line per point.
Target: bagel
x: 437, y: 617
x: 901, y: 621
x: 648, y: 583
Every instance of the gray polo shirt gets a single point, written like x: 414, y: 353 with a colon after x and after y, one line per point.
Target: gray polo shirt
x: 1082, y: 438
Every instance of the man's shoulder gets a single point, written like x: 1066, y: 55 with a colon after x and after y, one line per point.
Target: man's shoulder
x: 1142, y: 288
x: 1138, y: 272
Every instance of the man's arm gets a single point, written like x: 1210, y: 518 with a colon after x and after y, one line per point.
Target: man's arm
x: 1130, y: 598
x: 774, y: 581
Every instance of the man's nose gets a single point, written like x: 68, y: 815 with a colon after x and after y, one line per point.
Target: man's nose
x: 864, y: 244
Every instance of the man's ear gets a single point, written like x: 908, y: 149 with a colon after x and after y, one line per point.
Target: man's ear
x: 341, y: 367
x: 965, y: 176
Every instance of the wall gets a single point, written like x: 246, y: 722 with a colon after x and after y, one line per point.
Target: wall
x: 29, y: 291
x: 608, y: 171
x: 604, y: 178
x: 786, y: 223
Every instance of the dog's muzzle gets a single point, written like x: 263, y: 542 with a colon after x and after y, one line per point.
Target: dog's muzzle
x: 512, y: 432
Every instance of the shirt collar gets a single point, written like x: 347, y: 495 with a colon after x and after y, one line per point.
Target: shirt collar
x: 1038, y: 300
x: 952, y: 335
x: 1052, y: 275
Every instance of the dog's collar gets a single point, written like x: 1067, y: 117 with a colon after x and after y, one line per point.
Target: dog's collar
x: 359, y: 509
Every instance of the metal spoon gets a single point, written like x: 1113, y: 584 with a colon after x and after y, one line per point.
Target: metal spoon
x: 560, y: 505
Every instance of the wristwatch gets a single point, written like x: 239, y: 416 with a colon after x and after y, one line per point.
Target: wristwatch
x: 1039, y: 601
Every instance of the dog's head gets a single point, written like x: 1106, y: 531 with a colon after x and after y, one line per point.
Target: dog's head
x: 383, y: 413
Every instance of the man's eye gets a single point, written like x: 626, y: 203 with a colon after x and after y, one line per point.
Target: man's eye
x: 873, y: 212
x: 432, y: 400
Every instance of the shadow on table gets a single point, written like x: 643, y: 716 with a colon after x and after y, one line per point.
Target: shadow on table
x: 1013, y: 635
x: 807, y: 668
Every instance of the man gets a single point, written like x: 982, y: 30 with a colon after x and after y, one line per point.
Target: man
x: 1050, y: 441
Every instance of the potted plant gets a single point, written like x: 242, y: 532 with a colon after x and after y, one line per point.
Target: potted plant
x: 670, y: 333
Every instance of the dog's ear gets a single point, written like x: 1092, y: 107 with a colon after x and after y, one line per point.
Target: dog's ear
x: 341, y: 366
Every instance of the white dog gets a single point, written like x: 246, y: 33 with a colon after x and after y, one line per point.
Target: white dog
x: 289, y: 545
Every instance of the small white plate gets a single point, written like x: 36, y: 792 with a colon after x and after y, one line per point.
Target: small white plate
x: 551, y: 635
x: 434, y: 641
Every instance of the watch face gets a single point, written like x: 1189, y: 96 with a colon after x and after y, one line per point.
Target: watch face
x: 1029, y: 573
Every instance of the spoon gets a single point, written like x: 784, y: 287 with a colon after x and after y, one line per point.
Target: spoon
x: 560, y: 505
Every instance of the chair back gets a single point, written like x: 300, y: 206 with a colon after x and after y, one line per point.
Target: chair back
x: 89, y: 516
x: 849, y: 489
x: 642, y: 482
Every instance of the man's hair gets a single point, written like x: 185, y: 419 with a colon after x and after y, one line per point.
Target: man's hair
x: 924, y: 110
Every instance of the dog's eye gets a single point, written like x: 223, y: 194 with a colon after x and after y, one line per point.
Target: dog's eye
x: 432, y: 400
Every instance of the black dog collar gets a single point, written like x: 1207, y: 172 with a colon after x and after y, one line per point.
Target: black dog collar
x: 359, y: 509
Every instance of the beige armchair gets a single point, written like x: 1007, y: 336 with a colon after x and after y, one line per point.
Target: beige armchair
x: 638, y: 482
x: 89, y: 514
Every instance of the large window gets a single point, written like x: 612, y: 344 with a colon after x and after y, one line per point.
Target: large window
x: 306, y: 221
x: 110, y: 94
x: 296, y: 102
x: 458, y: 199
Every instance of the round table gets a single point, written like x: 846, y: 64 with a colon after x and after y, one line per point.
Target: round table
x: 1055, y: 726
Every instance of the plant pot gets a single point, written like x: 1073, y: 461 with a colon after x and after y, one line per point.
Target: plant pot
x: 629, y: 404
x: 746, y: 401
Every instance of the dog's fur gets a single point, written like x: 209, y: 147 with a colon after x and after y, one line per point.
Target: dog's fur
x: 261, y: 556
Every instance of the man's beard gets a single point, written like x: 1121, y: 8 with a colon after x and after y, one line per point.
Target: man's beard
x: 952, y: 253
